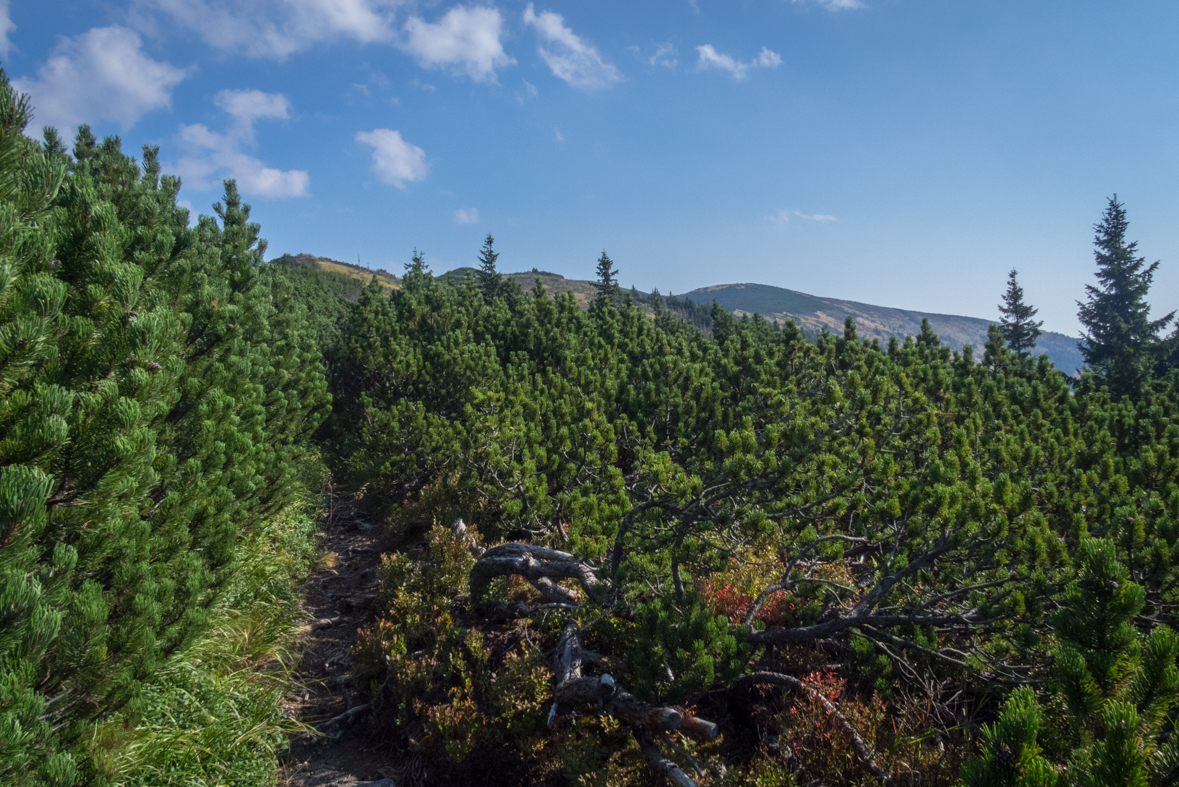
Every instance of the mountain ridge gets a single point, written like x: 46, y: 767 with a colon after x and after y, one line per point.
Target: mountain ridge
x: 812, y: 313
x: 872, y: 322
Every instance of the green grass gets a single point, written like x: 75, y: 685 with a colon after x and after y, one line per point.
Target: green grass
x: 214, y: 715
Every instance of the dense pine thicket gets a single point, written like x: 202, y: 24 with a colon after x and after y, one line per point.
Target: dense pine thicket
x: 914, y: 530
x: 865, y: 563
x: 158, y: 386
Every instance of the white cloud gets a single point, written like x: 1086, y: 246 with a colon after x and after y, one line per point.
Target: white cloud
x: 246, y: 106
x: 710, y: 58
x: 665, y: 55
x: 466, y: 216
x: 527, y: 93
x: 274, y: 28
x: 557, y: 135
x: 219, y: 155
x: 6, y: 27
x: 833, y: 5
x: 569, y: 57
x: 211, y: 155
x: 782, y: 216
x: 100, y: 75
x: 465, y: 41
x: 394, y: 160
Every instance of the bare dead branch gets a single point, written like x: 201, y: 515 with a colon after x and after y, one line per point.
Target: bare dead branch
x: 863, y: 752
x: 604, y: 695
x: 538, y: 565
x: 669, y: 769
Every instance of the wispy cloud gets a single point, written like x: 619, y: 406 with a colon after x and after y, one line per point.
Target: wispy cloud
x: 6, y: 27
x: 710, y: 58
x: 567, y: 55
x: 466, y: 216
x: 395, y: 161
x: 529, y: 91
x: 665, y: 55
x: 211, y: 156
x: 247, y: 106
x: 273, y: 29
x: 833, y: 5
x: 464, y: 41
x: 100, y: 75
x: 783, y: 216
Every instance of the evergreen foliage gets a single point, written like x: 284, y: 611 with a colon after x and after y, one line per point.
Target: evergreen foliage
x: 1118, y: 688
x: 1017, y: 325
x: 157, y: 391
x: 907, y: 510
x: 1121, y: 343
x: 879, y: 520
x: 489, y: 279
x: 1010, y: 756
x: 607, y: 282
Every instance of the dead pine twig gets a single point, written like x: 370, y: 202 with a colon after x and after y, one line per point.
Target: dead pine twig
x: 863, y: 752
x: 602, y: 694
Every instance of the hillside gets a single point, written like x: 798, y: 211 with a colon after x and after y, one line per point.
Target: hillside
x: 811, y: 312
x: 362, y: 274
x: 555, y: 283
x: 881, y: 322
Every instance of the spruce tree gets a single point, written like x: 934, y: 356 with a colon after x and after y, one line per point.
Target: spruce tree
x: 1017, y: 325
x: 488, y: 278
x: 607, y: 282
x: 1120, y: 340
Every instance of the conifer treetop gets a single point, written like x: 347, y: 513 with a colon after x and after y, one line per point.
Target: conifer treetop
x: 607, y: 282
x: 1119, y: 338
x: 1016, y: 323
x: 487, y: 277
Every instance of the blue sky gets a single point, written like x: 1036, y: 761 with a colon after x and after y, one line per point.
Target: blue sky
x: 898, y: 152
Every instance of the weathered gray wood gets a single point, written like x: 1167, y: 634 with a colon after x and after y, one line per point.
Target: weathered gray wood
x: 669, y: 769
x: 539, y: 566
x: 464, y: 535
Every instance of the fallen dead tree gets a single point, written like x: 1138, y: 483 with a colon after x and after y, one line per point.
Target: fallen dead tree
x: 540, y: 566
x: 651, y: 724
x: 602, y: 694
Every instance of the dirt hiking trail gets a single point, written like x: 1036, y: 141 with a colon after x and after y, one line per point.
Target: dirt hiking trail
x: 340, y: 598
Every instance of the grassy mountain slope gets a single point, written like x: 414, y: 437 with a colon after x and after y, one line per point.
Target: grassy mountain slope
x: 359, y: 272
x: 881, y: 322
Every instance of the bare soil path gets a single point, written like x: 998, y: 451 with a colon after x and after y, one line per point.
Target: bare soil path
x: 340, y: 598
